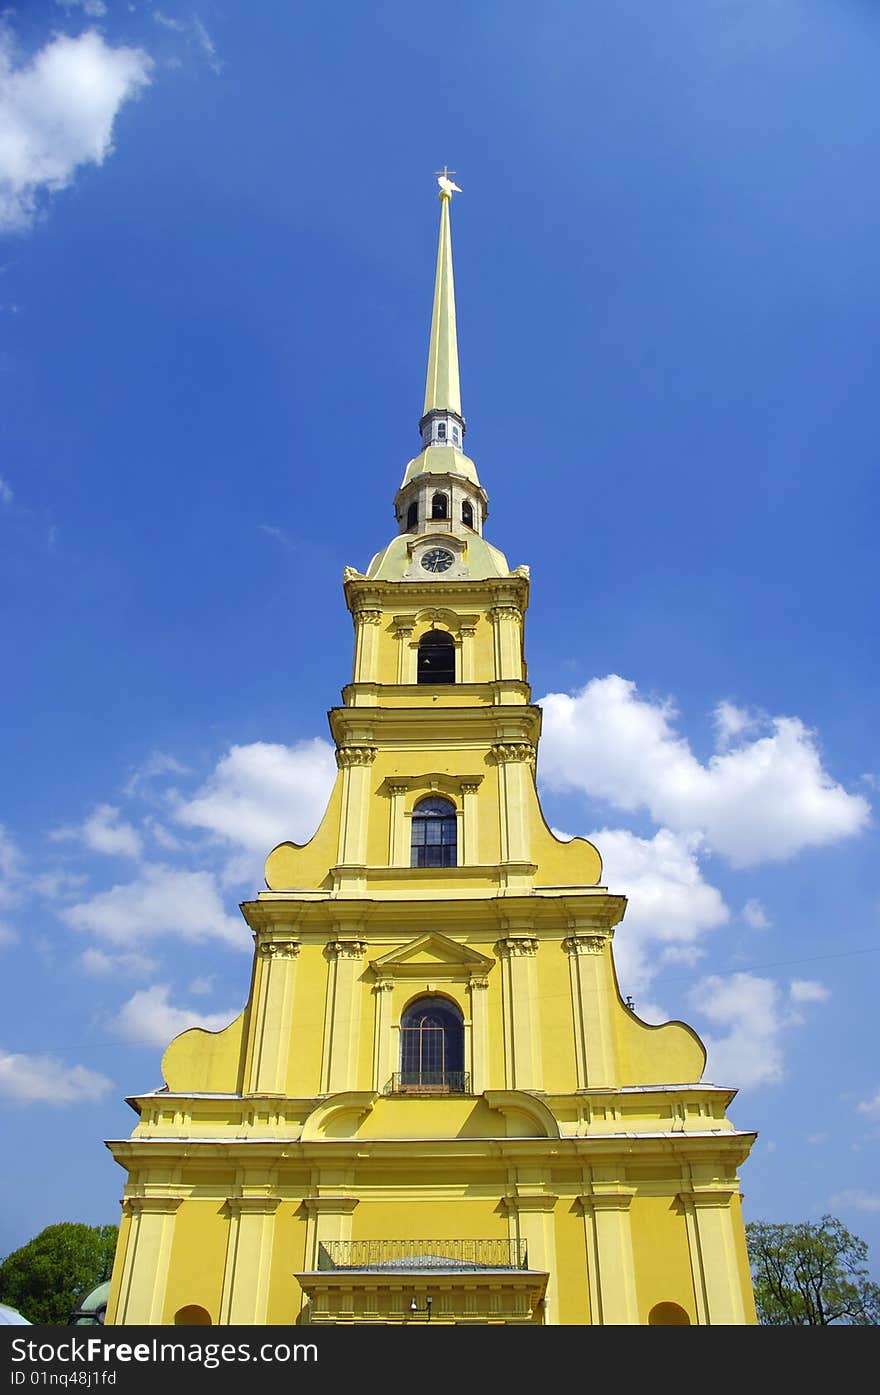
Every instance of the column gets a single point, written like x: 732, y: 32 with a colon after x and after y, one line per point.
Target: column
x: 272, y: 1016
x: 479, y: 1063
x: 328, y: 1221
x: 608, y: 1236
x: 383, y: 1061
x: 406, y: 663
x: 592, y: 1002
x: 354, y: 762
x: 366, y: 644
x: 712, y: 1248
x: 532, y: 1220
x: 147, y: 1253
x: 469, y: 847
x: 507, y: 623
x: 467, y: 633
x: 515, y: 760
x: 342, y: 1018
x: 398, y: 840
x: 522, y: 1047
x: 248, y: 1259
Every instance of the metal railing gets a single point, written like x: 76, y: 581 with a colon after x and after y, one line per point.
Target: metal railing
x: 417, y: 1256
x: 429, y: 1082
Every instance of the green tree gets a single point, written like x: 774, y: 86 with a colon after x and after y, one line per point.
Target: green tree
x: 48, y: 1276
x: 811, y: 1275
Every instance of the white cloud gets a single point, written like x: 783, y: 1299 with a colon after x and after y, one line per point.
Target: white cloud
x: 102, y: 965
x: 258, y: 796
x: 753, y: 914
x: 160, y: 901
x: 57, y: 884
x: 856, y: 1198
x: 805, y: 990
x: 46, y: 1080
x: 669, y: 907
x: 149, y: 1019
x: 871, y: 1107
x: 104, y: 831
x: 8, y: 936
x: 6, y: 495
x: 57, y: 112
x: 731, y: 722
x: 746, y: 1009
x: 763, y: 801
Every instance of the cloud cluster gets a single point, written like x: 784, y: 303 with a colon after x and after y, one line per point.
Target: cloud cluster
x: 57, y: 112
x: 162, y: 900
x: 670, y: 907
x: 763, y: 800
x: 47, y: 1080
x: 149, y: 1019
x: 748, y: 1019
x: 258, y: 796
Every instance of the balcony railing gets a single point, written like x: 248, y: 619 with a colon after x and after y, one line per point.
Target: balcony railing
x: 429, y: 1082
x: 417, y: 1256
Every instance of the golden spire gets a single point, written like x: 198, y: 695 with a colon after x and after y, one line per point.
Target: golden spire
x: 442, y: 391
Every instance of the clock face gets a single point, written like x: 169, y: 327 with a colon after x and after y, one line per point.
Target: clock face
x: 437, y: 560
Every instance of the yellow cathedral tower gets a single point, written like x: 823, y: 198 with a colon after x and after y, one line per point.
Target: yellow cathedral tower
x: 435, y: 1106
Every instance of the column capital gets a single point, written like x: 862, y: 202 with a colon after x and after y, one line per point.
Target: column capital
x: 347, y: 949
x: 151, y: 1205
x: 584, y: 944
x: 504, y: 751
x: 330, y: 1205
x: 504, y: 612
x: 253, y: 1205
x: 366, y: 615
x: 355, y: 755
x: 536, y: 1201
x: 708, y: 1196
x: 517, y: 946
x: 279, y: 949
x: 618, y: 1200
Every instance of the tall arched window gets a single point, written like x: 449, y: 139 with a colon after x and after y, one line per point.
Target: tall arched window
x: 467, y: 514
x: 439, y: 506
x: 432, y: 1047
x: 434, y: 833
x: 412, y: 514
x: 436, y: 661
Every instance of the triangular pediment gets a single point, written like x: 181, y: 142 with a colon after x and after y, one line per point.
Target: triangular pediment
x: 434, y: 951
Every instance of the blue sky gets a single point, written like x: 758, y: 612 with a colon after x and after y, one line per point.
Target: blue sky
x: 217, y: 242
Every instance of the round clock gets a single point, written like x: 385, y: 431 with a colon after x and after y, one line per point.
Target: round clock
x: 437, y: 560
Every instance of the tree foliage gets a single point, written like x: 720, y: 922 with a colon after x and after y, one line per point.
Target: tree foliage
x: 811, y: 1275
x: 48, y: 1276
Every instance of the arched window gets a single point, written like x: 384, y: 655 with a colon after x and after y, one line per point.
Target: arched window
x: 432, y: 1047
x: 668, y: 1315
x: 467, y: 514
x: 436, y: 661
x: 434, y: 833
x: 439, y: 506
x: 412, y: 514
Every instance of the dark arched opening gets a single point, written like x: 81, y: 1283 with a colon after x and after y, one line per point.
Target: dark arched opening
x: 436, y: 661
x: 412, y: 514
x: 668, y: 1315
x: 439, y: 506
x: 467, y: 514
x: 432, y: 1047
x: 192, y: 1316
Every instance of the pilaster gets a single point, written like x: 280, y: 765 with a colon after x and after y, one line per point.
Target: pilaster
x: 712, y: 1247
x: 342, y: 1018
x: 608, y: 1238
x: 592, y: 998
x: 271, y: 1024
x: 519, y: 985
x: 147, y: 1254
x: 248, y: 1259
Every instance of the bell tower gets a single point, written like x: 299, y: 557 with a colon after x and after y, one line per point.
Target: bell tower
x: 435, y: 1100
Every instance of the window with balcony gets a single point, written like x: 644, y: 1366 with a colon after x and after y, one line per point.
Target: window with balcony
x: 432, y: 1048
x: 434, y: 833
